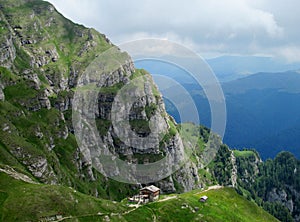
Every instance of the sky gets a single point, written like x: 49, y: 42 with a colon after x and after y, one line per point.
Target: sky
x: 210, y: 28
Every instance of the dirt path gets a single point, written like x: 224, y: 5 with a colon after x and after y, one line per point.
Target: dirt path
x: 136, y: 206
x: 167, y: 198
x: 215, y: 187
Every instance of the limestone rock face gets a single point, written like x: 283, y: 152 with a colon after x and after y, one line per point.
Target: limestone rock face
x: 48, y: 56
x: 234, y: 170
x: 43, y: 59
x: 281, y: 196
x: 2, y: 96
x: 7, y: 52
x: 37, y: 165
x: 188, y: 177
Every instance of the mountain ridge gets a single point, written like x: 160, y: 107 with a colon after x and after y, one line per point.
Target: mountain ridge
x: 262, y: 112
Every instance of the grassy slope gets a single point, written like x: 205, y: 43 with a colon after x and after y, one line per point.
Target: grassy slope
x: 243, y: 153
x: 21, y: 201
x: 223, y: 205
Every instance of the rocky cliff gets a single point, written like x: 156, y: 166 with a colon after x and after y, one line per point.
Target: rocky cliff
x: 273, y: 184
x: 43, y: 57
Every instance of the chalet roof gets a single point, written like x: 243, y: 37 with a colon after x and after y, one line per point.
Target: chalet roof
x: 204, y: 198
x: 151, y: 188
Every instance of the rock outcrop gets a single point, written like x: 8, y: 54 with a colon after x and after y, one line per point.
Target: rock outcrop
x: 2, y: 96
x: 46, y: 57
x: 280, y: 196
x: 37, y: 165
x: 7, y: 51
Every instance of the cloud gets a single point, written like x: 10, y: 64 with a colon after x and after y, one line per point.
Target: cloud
x: 290, y: 53
x: 221, y: 27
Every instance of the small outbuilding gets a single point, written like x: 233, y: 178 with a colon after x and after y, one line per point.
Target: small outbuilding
x: 152, y: 192
x: 203, y: 199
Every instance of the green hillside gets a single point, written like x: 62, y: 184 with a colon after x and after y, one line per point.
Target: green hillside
x: 23, y: 201
x: 222, y: 205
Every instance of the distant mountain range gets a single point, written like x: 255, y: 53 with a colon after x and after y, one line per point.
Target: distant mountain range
x: 262, y: 109
x: 263, y: 112
x: 228, y: 68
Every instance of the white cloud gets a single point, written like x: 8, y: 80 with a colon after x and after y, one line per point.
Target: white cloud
x: 227, y: 26
x: 289, y: 53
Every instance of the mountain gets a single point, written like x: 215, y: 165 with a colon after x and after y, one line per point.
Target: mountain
x: 262, y: 108
x: 42, y: 54
x: 269, y: 103
x: 262, y: 111
x: 228, y: 68
x: 272, y: 184
x: 49, y: 162
x: 43, y: 61
x: 162, y: 67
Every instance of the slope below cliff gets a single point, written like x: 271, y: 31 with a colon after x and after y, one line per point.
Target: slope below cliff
x: 40, y: 202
